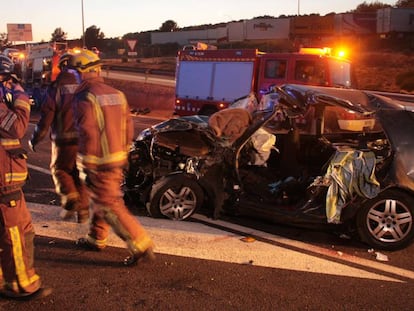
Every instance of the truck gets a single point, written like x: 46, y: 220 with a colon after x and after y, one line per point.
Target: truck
x: 209, y: 80
x: 395, y: 21
x: 40, y: 67
x: 41, y: 62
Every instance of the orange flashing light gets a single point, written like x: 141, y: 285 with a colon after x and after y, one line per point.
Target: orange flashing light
x: 316, y: 51
x: 326, y: 51
x: 222, y: 106
x: 341, y: 53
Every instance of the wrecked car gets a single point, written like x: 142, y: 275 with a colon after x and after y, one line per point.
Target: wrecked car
x: 300, y: 155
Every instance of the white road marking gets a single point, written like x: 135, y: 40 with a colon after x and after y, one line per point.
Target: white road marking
x: 39, y: 169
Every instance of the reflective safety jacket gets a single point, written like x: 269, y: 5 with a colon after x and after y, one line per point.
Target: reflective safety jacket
x: 104, y: 124
x: 57, y: 113
x: 14, y: 119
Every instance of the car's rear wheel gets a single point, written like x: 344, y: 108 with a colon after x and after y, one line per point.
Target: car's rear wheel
x: 386, y: 222
x: 176, y: 197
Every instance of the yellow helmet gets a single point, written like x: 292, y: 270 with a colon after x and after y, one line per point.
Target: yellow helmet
x: 85, y: 61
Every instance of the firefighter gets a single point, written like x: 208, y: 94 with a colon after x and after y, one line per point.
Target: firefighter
x: 105, y: 134
x: 57, y: 115
x: 19, y: 277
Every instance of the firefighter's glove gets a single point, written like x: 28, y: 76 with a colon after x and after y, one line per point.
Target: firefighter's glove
x: 87, y: 178
x: 32, y: 143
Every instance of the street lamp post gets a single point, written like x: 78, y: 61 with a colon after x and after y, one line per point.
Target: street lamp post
x: 83, y: 27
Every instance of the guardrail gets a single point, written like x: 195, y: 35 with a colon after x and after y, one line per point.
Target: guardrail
x: 160, y: 72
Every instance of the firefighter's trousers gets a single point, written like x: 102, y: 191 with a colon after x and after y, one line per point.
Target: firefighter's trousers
x: 109, y: 210
x: 16, y: 243
x: 65, y: 174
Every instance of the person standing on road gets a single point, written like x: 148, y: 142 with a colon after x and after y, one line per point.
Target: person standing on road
x: 19, y: 277
x: 105, y: 134
x: 57, y: 115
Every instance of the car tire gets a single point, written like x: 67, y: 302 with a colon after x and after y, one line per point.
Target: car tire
x: 386, y: 221
x: 176, y: 197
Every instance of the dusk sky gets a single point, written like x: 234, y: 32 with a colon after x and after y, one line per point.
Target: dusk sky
x: 118, y: 17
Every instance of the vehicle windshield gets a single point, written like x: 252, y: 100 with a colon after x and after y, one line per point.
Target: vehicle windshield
x: 340, y: 73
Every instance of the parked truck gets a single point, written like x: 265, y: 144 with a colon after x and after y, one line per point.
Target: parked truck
x: 395, y: 21
x: 41, y: 62
x: 40, y: 67
x: 209, y: 80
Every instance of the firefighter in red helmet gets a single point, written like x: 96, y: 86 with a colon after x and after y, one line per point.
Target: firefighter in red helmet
x: 19, y: 277
x: 105, y: 135
x: 57, y: 115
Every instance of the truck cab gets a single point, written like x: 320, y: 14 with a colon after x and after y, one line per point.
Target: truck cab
x: 303, y: 68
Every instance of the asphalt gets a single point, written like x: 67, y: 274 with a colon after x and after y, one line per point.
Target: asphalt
x: 218, y: 240
x: 203, y: 264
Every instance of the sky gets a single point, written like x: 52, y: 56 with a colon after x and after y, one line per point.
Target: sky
x: 118, y: 17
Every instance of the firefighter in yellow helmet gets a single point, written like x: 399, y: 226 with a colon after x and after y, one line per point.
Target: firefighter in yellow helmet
x: 105, y: 134
x: 18, y: 276
x: 57, y: 115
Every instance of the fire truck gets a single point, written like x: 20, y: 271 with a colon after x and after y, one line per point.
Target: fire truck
x: 41, y: 62
x: 40, y: 67
x: 209, y: 80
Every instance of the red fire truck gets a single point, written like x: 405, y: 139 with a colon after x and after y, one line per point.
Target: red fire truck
x: 41, y: 63
x: 209, y: 80
x: 40, y: 67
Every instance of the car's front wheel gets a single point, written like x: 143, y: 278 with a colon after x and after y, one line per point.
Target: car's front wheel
x: 176, y: 197
x: 386, y: 221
